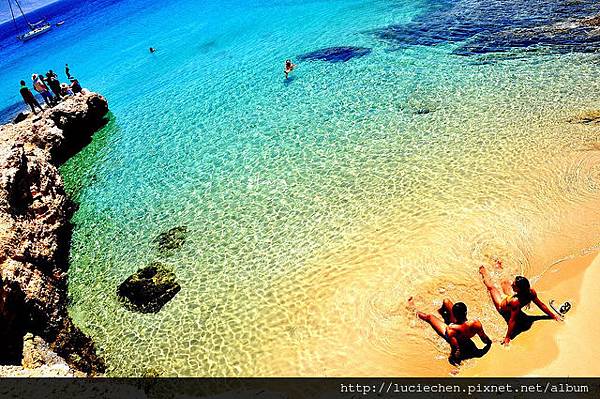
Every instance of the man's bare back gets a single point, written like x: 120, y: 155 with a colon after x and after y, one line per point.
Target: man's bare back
x: 466, y: 330
x: 457, y: 330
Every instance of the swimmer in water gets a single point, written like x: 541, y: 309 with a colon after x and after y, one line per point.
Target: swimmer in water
x: 456, y: 330
x: 515, y: 295
x: 289, y: 67
x: 152, y: 49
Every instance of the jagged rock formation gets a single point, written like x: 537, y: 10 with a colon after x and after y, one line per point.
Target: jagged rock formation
x: 35, y: 230
x: 39, y: 361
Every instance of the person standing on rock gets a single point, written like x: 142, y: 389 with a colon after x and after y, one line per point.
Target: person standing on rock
x: 54, y: 85
x: 65, y: 90
x: 40, y: 87
x: 75, y: 86
x: 29, y: 98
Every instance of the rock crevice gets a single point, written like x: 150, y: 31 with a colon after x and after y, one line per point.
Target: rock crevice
x: 35, y: 230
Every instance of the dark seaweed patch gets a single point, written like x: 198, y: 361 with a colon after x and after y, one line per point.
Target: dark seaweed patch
x: 335, y: 54
x: 496, y: 26
x: 172, y: 239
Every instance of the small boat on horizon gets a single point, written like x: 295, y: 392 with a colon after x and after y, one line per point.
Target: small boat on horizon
x: 35, y: 29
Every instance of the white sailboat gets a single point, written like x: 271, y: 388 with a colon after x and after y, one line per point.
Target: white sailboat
x: 35, y: 29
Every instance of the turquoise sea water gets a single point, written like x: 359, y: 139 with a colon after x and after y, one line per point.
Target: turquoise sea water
x: 316, y: 205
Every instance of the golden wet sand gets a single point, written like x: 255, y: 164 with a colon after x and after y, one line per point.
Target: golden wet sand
x: 360, y: 312
x: 567, y: 348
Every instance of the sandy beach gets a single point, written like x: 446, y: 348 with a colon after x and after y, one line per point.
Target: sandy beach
x: 551, y: 348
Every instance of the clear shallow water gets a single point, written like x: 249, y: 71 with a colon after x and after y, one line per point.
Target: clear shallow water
x: 316, y: 206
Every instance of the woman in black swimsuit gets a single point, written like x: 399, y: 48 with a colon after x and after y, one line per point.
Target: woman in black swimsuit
x: 516, y: 295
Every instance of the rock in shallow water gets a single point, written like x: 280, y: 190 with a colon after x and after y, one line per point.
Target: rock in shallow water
x: 172, y: 239
x: 335, y: 54
x: 149, y: 289
x: 422, y: 111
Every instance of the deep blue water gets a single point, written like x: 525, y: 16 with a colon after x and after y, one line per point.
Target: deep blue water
x: 476, y: 27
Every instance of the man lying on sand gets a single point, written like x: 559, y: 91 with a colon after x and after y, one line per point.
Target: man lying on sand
x: 516, y: 295
x: 456, y: 330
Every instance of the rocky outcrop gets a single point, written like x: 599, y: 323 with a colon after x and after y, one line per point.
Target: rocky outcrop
x: 39, y: 361
x: 149, y: 289
x: 35, y: 230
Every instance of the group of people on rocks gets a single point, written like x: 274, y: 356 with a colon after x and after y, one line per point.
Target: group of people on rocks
x: 50, y: 88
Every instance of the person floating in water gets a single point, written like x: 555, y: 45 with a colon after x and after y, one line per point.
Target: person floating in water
x: 67, y: 71
x: 152, y: 50
x: 516, y: 295
x: 29, y: 98
x: 456, y: 329
x: 288, y: 67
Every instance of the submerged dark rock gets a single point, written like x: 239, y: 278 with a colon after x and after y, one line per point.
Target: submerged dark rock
x: 148, y: 289
x: 172, y: 239
x: 422, y: 111
x: 485, y: 27
x: 335, y: 54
